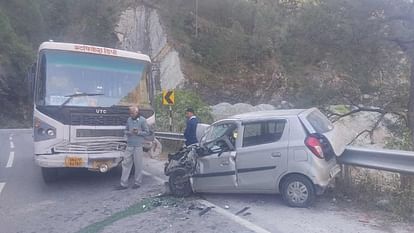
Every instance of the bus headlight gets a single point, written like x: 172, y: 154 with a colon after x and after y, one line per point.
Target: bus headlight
x: 50, y: 132
x: 43, y: 131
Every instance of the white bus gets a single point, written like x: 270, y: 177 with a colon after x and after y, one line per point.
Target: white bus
x: 81, y: 99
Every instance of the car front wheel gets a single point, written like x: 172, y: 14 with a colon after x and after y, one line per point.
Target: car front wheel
x: 298, y: 191
x: 179, y: 184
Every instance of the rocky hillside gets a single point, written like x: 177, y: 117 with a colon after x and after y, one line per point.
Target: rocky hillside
x: 268, y: 52
x: 257, y: 52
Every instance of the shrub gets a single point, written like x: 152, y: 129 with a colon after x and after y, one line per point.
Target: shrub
x: 183, y: 100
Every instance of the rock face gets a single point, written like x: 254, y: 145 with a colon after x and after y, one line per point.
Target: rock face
x: 140, y: 29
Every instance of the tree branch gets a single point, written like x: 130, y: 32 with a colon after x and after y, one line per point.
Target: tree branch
x: 370, y: 131
x: 338, y: 116
x: 358, y: 109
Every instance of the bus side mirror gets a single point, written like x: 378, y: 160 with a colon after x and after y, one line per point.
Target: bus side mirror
x: 30, y: 79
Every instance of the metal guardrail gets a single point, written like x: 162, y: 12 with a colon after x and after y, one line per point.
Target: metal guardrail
x: 201, y: 128
x: 170, y: 136
x: 380, y: 159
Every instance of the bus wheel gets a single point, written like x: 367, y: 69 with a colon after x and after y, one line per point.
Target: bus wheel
x: 49, y: 174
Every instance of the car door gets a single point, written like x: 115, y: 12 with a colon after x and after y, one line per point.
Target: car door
x: 216, y: 170
x: 262, y: 157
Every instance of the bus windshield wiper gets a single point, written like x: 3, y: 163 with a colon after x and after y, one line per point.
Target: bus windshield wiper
x: 78, y: 95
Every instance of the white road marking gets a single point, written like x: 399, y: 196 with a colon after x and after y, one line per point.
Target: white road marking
x: 12, y: 145
x: 220, y: 210
x: 10, y: 138
x: 234, y: 217
x: 11, y: 159
x: 2, y: 186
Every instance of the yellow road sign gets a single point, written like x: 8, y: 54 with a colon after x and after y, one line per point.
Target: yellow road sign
x: 168, y: 98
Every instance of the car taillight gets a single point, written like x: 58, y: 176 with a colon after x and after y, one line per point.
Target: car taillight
x: 315, y: 146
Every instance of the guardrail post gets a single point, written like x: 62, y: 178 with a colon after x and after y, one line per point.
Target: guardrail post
x: 406, y: 181
x: 171, y: 116
x: 346, y: 175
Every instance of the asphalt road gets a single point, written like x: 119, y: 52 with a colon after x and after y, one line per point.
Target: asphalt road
x: 83, y: 201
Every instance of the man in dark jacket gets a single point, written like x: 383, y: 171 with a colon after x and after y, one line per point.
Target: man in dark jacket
x: 191, y: 127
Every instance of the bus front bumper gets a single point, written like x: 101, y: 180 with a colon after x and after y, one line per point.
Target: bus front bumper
x: 96, y: 162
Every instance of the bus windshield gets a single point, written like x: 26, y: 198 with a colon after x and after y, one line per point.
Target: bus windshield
x: 83, y: 79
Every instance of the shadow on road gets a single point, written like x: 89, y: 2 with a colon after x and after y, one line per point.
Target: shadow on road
x: 78, y: 178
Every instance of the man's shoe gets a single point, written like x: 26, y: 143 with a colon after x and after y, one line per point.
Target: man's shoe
x: 135, y: 186
x: 120, y: 187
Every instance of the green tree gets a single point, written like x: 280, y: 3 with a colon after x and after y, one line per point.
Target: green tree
x: 368, y: 47
x: 236, y: 46
x: 82, y: 21
x: 24, y: 24
x: 26, y: 19
x: 183, y: 100
x: 15, y: 56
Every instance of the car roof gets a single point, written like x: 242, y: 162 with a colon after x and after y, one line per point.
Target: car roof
x: 266, y: 114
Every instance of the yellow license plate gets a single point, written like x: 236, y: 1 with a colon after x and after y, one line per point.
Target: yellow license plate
x: 73, y: 162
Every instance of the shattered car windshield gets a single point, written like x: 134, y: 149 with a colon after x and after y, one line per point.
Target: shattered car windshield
x: 215, y: 132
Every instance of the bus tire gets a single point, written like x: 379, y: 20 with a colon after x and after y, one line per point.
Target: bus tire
x: 49, y: 175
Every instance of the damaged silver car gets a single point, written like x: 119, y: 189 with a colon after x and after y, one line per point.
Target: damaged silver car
x: 292, y: 152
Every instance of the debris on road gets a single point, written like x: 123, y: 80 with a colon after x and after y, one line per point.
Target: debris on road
x: 363, y: 220
x: 205, y: 210
x: 242, y: 210
x: 192, y: 206
x: 145, y: 205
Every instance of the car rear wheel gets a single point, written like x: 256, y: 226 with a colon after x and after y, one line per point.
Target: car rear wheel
x: 298, y: 191
x: 49, y: 174
x: 179, y: 184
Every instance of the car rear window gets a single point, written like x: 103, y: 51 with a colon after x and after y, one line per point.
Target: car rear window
x: 319, y: 122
